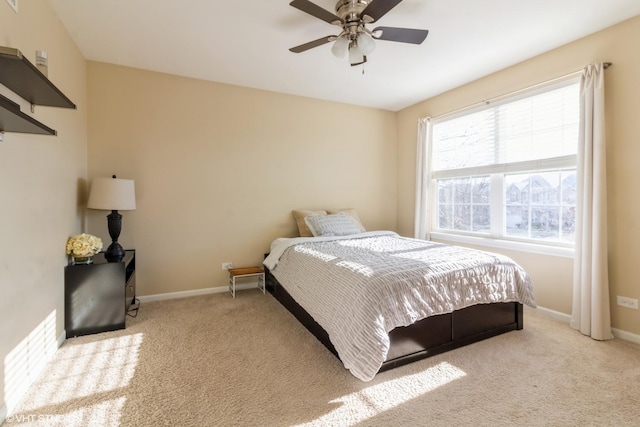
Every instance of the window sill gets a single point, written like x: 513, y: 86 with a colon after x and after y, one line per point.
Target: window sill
x: 504, y: 244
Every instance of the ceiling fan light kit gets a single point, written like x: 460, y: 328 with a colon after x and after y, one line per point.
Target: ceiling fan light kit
x: 355, y: 39
x: 340, y: 47
x: 356, y: 57
x: 365, y: 43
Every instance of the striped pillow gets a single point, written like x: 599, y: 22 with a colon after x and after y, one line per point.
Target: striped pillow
x: 338, y: 224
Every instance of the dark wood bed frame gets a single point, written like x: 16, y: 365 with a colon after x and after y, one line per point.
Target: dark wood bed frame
x: 427, y: 337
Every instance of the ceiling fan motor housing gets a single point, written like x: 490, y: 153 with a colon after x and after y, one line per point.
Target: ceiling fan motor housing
x: 350, y: 10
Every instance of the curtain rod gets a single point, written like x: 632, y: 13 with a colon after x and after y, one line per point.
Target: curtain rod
x: 605, y: 65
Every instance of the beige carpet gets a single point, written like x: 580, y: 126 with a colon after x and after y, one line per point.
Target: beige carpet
x: 215, y: 361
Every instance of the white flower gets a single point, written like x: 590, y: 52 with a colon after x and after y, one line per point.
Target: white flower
x: 82, y: 245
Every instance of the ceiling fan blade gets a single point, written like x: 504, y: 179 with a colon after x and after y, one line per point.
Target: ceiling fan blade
x: 378, y: 8
x: 311, y: 45
x: 403, y: 35
x: 315, y: 10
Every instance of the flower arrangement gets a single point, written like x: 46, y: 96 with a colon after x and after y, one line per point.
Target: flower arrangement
x: 83, y: 245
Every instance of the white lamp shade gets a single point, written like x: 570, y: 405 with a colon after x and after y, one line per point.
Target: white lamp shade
x: 112, y: 194
x: 365, y: 43
x: 340, y: 47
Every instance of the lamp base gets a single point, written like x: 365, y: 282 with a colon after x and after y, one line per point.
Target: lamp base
x: 114, y: 253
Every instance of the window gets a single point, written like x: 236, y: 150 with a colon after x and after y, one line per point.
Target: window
x: 507, y: 170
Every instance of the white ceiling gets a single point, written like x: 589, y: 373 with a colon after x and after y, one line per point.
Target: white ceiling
x: 246, y: 42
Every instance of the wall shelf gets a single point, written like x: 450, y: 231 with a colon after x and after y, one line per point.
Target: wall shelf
x: 14, y: 120
x: 23, y: 78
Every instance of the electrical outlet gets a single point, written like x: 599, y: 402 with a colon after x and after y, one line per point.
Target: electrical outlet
x: 227, y: 265
x: 628, y: 302
x: 13, y: 4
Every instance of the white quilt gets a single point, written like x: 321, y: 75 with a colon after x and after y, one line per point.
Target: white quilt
x: 360, y: 287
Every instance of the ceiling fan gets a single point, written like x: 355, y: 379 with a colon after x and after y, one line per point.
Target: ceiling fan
x: 356, y: 39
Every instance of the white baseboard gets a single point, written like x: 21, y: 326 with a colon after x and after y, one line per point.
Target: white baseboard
x: 562, y: 317
x: 565, y: 318
x: 3, y: 413
x: 197, y: 292
x: 624, y: 335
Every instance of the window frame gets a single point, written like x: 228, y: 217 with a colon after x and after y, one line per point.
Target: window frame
x: 496, y: 237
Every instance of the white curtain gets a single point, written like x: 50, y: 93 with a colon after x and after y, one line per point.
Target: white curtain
x: 591, y: 312
x: 422, y: 222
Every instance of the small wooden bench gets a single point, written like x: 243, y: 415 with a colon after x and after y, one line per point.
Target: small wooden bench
x: 243, y: 272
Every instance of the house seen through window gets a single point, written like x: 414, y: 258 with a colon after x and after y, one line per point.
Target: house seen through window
x: 508, y: 170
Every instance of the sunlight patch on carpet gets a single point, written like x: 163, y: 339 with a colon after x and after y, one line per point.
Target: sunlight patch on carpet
x: 106, y: 413
x: 82, y: 370
x: 371, y: 401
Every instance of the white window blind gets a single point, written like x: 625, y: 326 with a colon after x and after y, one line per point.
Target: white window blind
x: 535, y: 127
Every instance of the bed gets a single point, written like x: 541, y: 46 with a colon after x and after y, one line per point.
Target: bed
x: 378, y: 300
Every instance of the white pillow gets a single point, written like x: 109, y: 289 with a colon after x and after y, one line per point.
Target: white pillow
x: 338, y: 224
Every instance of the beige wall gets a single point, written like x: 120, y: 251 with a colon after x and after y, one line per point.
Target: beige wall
x: 219, y: 168
x: 41, y: 180
x: 552, y: 276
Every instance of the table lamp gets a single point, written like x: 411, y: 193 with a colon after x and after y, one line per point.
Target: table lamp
x: 113, y: 194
